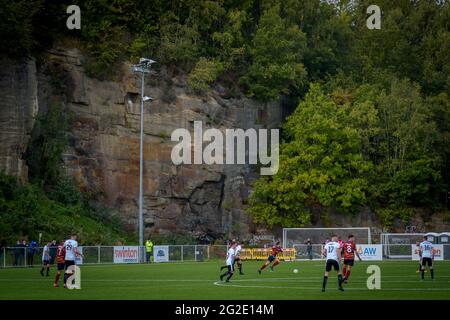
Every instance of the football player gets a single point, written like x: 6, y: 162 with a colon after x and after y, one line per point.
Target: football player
x: 349, y: 256
x: 426, y: 254
x: 276, y: 249
x: 332, y: 251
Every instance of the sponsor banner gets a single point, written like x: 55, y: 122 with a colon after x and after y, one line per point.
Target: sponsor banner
x: 79, y: 259
x: 370, y: 252
x: 437, y: 248
x: 161, y: 253
x: 126, y: 254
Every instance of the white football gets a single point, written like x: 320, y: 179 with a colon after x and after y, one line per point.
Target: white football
x: 295, y: 270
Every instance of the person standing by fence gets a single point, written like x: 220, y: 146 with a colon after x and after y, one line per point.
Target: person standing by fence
x: 52, y: 251
x: 2, y: 251
x: 148, y: 250
x: 31, y: 252
x: 309, y: 249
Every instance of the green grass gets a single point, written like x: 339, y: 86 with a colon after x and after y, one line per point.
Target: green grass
x: 399, y: 280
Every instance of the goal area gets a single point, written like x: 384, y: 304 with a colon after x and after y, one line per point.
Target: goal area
x: 398, y: 245
x: 298, y: 236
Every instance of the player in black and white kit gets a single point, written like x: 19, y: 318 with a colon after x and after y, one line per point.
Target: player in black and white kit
x: 332, y: 250
x: 71, y: 248
x: 229, y: 262
x: 426, y: 254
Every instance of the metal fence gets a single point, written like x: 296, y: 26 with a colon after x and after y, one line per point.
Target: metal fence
x: 23, y: 257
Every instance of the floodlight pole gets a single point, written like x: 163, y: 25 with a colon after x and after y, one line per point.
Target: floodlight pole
x: 143, y: 67
x: 141, y: 167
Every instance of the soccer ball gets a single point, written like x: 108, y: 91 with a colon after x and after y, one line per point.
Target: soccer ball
x: 295, y: 270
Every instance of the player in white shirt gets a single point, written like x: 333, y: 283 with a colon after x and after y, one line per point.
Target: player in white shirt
x: 46, y: 259
x: 426, y: 253
x: 332, y: 250
x: 71, y: 247
x: 229, y: 262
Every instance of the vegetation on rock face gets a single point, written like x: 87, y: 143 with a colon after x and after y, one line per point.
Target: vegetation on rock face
x: 372, y: 129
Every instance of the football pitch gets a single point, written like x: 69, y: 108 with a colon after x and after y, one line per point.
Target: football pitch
x: 200, y: 280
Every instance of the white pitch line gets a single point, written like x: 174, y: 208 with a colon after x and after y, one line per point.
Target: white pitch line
x: 217, y: 283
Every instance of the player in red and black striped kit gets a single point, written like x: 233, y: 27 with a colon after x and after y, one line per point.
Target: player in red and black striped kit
x: 276, y: 249
x: 60, y: 262
x: 349, y: 256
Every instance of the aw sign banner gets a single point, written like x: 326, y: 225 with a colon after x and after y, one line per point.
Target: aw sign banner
x: 126, y: 254
x: 438, y: 250
x: 370, y: 252
x: 161, y: 253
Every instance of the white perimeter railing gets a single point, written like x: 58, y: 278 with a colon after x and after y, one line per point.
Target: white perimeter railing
x: 22, y: 257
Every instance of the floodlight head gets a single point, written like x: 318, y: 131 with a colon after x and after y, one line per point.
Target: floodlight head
x: 147, y: 99
x: 146, y: 61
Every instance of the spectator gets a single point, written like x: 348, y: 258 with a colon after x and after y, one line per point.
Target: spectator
x: 148, y: 250
x: 20, y: 249
x: 53, y: 249
x: 32, y: 249
x: 309, y: 249
x: 2, y: 251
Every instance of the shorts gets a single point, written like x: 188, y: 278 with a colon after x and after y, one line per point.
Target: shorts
x: 427, y: 261
x: 271, y: 258
x: 45, y: 262
x: 331, y: 263
x: 349, y: 262
x: 68, y: 263
x: 60, y: 266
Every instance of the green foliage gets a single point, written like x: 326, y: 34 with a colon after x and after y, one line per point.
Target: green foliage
x: 49, y: 139
x: 320, y: 164
x: 277, y: 52
x: 204, y: 73
x: 369, y: 145
x: 27, y: 211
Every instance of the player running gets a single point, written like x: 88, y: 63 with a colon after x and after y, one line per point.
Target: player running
x: 230, y: 262
x: 426, y: 254
x: 333, y: 254
x: 60, y: 263
x: 46, y: 259
x: 276, y: 249
x: 349, y: 256
x: 71, y: 247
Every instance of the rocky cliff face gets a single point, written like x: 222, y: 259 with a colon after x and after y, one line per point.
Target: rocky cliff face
x: 103, y: 154
x: 18, y: 109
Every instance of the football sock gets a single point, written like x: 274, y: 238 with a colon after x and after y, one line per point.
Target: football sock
x: 223, y: 275
x: 229, y: 276
x: 340, y: 280
x: 275, y: 263
x: 48, y: 271
x: 344, y: 272
x: 240, y: 268
x: 423, y: 273
x: 324, y: 284
x: 432, y: 273
x: 347, y: 275
x: 57, y: 278
x: 223, y: 267
x: 263, y: 267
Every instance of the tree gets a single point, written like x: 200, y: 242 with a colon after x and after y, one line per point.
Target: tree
x: 320, y: 164
x: 277, y: 51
